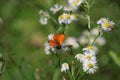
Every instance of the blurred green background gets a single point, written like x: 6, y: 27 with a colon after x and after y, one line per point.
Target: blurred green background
x: 22, y: 40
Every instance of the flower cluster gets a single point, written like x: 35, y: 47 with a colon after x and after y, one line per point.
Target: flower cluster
x: 88, y: 59
x: 83, y: 39
x: 91, y: 38
x: 66, y: 18
x: 69, y: 42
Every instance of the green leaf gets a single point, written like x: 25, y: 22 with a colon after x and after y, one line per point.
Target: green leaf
x: 115, y: 57
x: 56, y: 74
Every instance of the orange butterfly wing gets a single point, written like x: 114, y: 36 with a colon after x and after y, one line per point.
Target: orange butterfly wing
x: 58, y: 38
x: 53, y: 43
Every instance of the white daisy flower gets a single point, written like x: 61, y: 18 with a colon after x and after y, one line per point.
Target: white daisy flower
x: 106, y: 24
x: 65, y: 67
x: 89, y: 56
x: 43, y: 17
x: 100, y: 41
x: 94, y: 31
x: 90, y: 67
x: 79, y: 57
x: 72, y: 41
x: 73, y: 17
x: 75, y: 3
x: 43, y: 21
x: 83, y: 40
x: 90, y: 49
x: 61, y: 19
x: 85, y: 33
x: 101, y: 20
x: 68, y: 8
x: 43, y: 14
x: 56, y: 8
x: 47, y: 48
x: 50, y: 36
x: 68, y: 18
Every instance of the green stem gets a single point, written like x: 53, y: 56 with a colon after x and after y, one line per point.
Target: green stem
x: 72, y: 67
x: 63, y: 28
x: 59, y: 29
x: 66, y: 28
x: 71, y: 52
x: 88, y: 18
x: 82, y: 75
x: 78, y: 71
x: 73, y: 76
x: 54, y: 21
x: 70, y: 75
x: 99, y: 33
x: 89, y: 26
x: 87, y: 6
x: 58, y: 60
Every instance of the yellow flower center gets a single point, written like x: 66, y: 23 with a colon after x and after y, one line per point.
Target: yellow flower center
x: 75, y: 3
x: 80, y: 55
x: 65, y: 65
x: 67, y: 16
x: 74, y: 15
x: 90, y: 65
x: 61, y: 17
x: 90, y: 47
x: 107, y: 25
x: 88, y: 57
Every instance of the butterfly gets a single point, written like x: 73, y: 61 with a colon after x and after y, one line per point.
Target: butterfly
x: 57, y: 40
